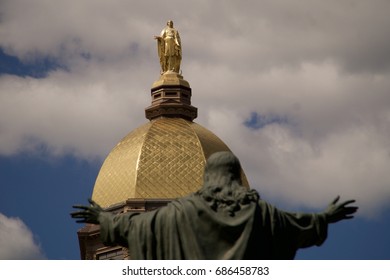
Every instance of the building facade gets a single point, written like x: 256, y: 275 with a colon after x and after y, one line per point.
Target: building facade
x: 161, y: 160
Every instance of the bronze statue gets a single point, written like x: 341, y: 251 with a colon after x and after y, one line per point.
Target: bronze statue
x: 169, y: 48
x: 223, y: 220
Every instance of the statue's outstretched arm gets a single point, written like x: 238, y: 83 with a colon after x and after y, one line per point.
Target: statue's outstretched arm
x: 89, y: 214
x: 340, y: 211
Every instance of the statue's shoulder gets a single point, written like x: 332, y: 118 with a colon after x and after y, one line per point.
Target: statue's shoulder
x: 264, y: 205
x: 189, y: 201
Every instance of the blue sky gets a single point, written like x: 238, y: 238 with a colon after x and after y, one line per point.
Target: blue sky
x: 299, y: 92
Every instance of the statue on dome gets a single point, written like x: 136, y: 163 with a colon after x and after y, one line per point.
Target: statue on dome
x: 169, y: 48
x: 223, y: 220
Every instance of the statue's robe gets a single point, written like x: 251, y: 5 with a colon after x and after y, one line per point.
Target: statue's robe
x: 169, y: 49
x: 188, y: 228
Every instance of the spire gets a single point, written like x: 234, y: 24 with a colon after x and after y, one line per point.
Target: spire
x: 171, y: 94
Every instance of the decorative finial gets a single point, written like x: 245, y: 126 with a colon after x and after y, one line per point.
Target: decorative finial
x: 171, y: 94
x: 169, y: 49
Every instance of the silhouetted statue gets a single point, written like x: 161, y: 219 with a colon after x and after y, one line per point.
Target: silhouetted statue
x: 223, y: 220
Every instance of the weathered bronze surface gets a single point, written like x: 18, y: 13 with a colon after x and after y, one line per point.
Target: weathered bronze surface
x: 223, y: 220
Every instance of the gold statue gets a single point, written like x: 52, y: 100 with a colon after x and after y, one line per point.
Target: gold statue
x: 169, y: 48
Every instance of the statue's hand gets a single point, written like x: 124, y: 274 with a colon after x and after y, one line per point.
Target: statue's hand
x: 337, y: 212
x: 89, y: 214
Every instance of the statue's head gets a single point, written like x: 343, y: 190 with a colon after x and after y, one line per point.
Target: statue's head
x: 222, y: 168
x: 222, y: 188
x: 170, y: 23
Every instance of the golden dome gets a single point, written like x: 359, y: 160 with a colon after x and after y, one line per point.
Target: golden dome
x: 164, y: 158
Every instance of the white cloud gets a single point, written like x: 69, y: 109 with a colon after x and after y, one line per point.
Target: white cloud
x: 70, y: 112
x: 335, y: 141
x: 17, y: 241
x: 322, y: 65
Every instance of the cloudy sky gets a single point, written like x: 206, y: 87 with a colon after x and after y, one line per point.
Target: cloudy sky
x: 299, y: 90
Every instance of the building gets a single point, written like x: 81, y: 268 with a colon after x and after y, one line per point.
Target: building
x: 155, y: 163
